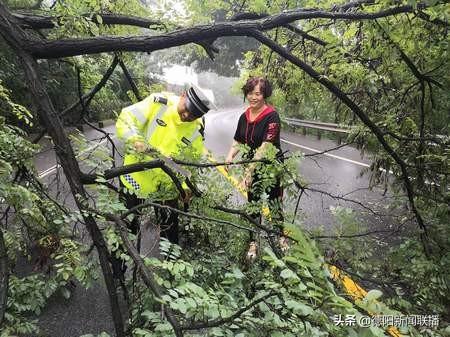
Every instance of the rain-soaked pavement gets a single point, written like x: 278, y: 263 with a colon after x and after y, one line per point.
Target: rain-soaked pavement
x: 337, y: 173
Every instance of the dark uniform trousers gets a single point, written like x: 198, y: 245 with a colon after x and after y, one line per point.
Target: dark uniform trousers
x: 166, y: 219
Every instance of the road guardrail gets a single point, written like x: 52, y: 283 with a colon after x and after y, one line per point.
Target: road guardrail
x: 319, y: 126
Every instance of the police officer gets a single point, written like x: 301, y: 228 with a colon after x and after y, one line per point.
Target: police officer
x: 170, y: 125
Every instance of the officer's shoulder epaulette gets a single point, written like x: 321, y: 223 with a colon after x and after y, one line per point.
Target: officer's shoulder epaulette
x: 202, y: 127
x: 160, y: 99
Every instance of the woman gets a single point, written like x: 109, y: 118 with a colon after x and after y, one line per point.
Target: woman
x: 258, y: 126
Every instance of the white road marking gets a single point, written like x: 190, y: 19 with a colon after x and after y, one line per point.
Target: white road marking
x: 45, y: 173
x: 48, y: 171
x: 346, y: 159
x: 326, y: 154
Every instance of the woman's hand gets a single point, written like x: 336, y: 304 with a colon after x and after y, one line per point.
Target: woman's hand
x: 229, y: 159
x: 246, y: 183
x: 231, y: 154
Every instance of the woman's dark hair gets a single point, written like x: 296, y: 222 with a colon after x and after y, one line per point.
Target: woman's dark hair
x: 264, y: 85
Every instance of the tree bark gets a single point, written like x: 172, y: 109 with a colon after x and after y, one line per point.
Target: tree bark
x: 86, y: 99
x: 130, y: 80
x: 146, y: 274
x: 4, y: 277
x: 363, y: 117
x: 15, y: 37
x: 73, y: 47
x: 48, y: 22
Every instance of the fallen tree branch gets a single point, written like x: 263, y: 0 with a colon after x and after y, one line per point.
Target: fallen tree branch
x: 305, y: 35
x: 363, y: 117
x: 158, y: 163
x: 126, y: 169
x: 28, y: 20
x: 130, y: 80
x: 188, y: 214
x: 292, y: 28
x: 73, y: 47
x: 146, y: 274
x: 86, y: 99
x: 219, y: 321
x: 14, y: 37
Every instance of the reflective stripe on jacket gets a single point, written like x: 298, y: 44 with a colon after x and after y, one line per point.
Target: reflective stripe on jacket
x: 156, y: 121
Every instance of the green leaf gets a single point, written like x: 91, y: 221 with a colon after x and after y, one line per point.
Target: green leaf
x: 299, y: 307
x: 142, y: 332
x: 99, y: 18
x: 373, y: 294
x: 66, y: 293
x: 288, y: 274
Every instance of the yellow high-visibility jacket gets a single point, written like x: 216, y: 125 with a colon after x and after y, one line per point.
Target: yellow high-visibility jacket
x: 156, y: 122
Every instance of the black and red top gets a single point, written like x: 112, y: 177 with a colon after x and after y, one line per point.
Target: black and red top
x: 265, y: 128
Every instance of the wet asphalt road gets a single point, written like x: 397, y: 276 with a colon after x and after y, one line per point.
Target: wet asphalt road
x: 337, y: 173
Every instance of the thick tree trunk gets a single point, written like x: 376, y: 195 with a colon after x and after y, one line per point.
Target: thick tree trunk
x: 14, y: 36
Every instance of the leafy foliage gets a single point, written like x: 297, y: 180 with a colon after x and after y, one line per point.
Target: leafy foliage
x: 38, y: 229
x: 379, y: 64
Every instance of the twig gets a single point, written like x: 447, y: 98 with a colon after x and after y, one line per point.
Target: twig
x: 188, y: 214
x: 88, y: 97
x: 328, y: 150
x: 365, y: 119
x: 146, y: 274
x: 129, y: 79
x: 302, y: 190
x: 229, y: 319
x: 107, y: 135
x: 350, y: 236
x: 246, y: 217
